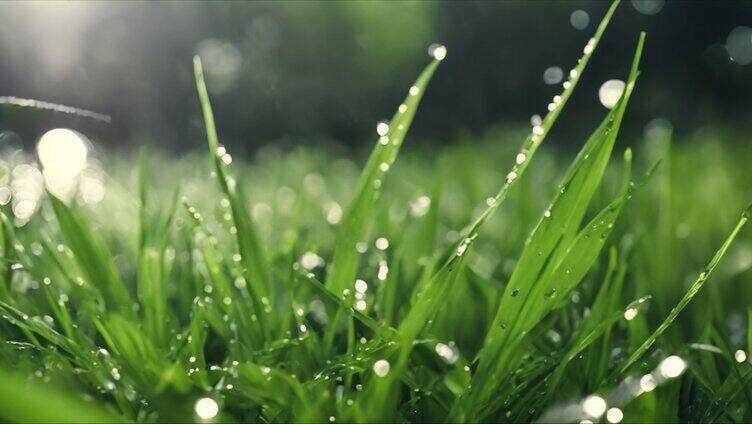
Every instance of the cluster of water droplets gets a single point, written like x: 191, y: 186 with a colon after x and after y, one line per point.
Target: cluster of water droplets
x: 593, y: 408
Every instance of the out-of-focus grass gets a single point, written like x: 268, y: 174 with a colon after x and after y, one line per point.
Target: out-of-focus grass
x: 472, y: 284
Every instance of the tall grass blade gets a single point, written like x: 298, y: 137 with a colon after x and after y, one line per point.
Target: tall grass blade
x: 693, y: 290
x: 252, y: 252
x: 91, y: 255
x: 356, y: 220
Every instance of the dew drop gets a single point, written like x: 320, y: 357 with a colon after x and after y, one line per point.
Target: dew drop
x: 614, y: 415
x: 381, y: 367
x: 437, y: 51
x: 610, y: 92
x: 382, y: 128
x: 672, y: 367
x: 206, y: 408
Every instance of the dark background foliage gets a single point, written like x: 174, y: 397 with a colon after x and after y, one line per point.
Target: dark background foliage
x: 330, y: 70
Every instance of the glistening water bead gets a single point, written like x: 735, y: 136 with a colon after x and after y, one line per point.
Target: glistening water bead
x: 610, y: 92
x: 382, y: 128
x: 381, y: 367
x: 437, y: 51
x: 62, y: 153
x: 672, y: 367
x: 206, y: 408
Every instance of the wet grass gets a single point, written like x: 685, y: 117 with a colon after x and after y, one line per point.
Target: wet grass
x: 299, y: 287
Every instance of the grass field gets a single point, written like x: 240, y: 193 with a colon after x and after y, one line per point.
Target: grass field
x: 476, y: 282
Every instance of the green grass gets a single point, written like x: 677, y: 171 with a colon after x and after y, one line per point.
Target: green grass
x: 574, y: 280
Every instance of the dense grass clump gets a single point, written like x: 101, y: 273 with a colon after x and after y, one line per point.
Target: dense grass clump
x: 407, y: 298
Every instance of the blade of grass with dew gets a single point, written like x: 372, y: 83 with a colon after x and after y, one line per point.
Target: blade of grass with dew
x: 153, y: 266
x: 579, y: 258
x: 276, y: 390
x: 357, y: 217
x: 252, y: 253
x: 591, y: 331
x: 23, y: 400
x: 92, y: 256
x: 420, y: 313
x: 440, y: 284
x: 151, y: 370
x: 693, y: 290
x: 540, y: 252
x: 225, y: 301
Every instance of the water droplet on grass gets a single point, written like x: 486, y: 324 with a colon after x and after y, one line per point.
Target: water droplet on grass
x: 437, y: 51
x: 206, y: 408
x: 610, y: 92
x: 381, y: 367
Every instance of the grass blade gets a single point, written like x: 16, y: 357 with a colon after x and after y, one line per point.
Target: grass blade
x: 253, y: 255
x: 357, y: 217
x: 92, y: 256
x: 693, y: 290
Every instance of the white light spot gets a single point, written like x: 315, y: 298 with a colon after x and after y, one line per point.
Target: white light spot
x: 589, y: 47
x: 610, y: 92
x: 437, y: 51
x: 222, y: 64
x: 739, y: 45
x: 579, y: 19
x: 62, y: 153
x: 647, y: 383
x: 511, y: 176
x: 594, y: 406
x: 740, y: 356
x: 648, y: 7
x: 383, y: 271
x: 536, y: 120
x: 5, y: 195
x: 383, y: 167
x: 310, y: 260
x: 381, y: 367
x: 382, y: 243
x: 414, y: 90
x: 463, y: 246
x: 382, y: 128
x: 553, y: 75
x: 672, y: 367
x: 361, y: 286
x: 402, y: 108
x: 206, y: 408
x: 333, y: 213
x: 520, y: 159
x: 420, y: 206
x: 361, y: 305
x: 447, y: 353
x: 630, y: 314
x: 614, y: 415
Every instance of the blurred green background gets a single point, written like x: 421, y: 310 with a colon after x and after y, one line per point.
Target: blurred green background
x: 313, y: 71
